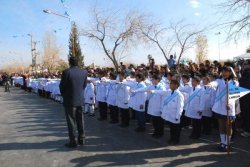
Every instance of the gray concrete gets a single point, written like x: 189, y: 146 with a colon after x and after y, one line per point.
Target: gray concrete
x: 33, y: 133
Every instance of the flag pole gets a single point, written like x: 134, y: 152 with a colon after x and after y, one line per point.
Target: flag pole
x: 228, y: 129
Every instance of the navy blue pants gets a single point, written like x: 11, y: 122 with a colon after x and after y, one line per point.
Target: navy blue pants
x: 140, y: 117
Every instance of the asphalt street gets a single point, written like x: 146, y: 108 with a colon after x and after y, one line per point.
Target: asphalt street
x: 33, y: 132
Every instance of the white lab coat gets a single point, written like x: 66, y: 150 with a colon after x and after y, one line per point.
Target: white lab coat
x: 207, y: 101
x: 185, y: 90
x: 219, y: 106
x: 172, y: 106
x: 89, y: 93
x: 193, y: 105
x: 154, y: 103
x: 132, y: 85
x: 166, y: 83
x: 122, y: 96
x: 101, y: 91
x: 139, y: 98
x: 111, y: 93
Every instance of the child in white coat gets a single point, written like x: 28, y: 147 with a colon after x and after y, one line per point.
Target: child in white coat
x: 138, y: 104
x: 122, y: 99
x: 206, y: 104
x: 171, y: 110
x: 111, y: 99
x: 192, y: 108
x: 89, y: 99
x: 221, y: 107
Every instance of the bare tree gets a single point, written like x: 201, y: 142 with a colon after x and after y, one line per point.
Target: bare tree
x: 115, y: 34
x: 162, y: 37
x: 51, y: 54
x: 237, y: 18
x: 185, y: 35
x: 201, y: 48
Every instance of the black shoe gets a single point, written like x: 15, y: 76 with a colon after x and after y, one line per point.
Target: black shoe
x: 192, y: 136
x: 123, y: 125
x: 140, y: 129
x: 113, y: 122
x: 102, y: 119
x: 157, y: 136
x: 222, y: 148
x: 81, y: 142
x: 170, y: 141
x: 91, y: 115
x: 71, y: 145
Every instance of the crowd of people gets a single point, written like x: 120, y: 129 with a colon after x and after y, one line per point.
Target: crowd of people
x: 185, y: 96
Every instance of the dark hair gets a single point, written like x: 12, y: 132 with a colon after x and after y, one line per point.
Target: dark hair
x: 73, y: 61
x: 248, y: 62
x: 170, y: 74
x: 207, y: 77
x: 112, y: 76
x: 123, y: 74
x: 196, y: 78
x: 226, y: 68
x: 175, y: 82
x: 156, y: 77
x: 186, y: 76
x: 132, y: 73
x: 140, y: 76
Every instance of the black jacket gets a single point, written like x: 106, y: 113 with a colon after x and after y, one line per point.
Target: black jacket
x: 245, y: 79
x: 73, y: 83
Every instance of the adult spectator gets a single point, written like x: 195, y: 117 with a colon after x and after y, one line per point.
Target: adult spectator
x: 73, y: 82
x: 244, y: 101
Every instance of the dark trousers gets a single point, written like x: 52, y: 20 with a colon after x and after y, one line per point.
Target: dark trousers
x: 185, y: 121
x: 175, y: 130
x: 40, y: 92
x: 206, y: 125
x: 245, y: 112
x: 158, y: 124
x: 114, y: 113
x: 103, y: 110
x: 132, y: 113
x: 196, y: 132
x: 147, y: 116
x: 125, y: 116
x: 140, y: 117
x: 75, y: 121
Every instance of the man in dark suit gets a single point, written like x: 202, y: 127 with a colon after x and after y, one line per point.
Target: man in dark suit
x: 73, y: 82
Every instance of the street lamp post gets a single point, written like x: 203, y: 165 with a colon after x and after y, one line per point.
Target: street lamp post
x: 71, y: 23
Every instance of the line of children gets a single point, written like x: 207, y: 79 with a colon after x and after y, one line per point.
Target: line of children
x: 172, y: 99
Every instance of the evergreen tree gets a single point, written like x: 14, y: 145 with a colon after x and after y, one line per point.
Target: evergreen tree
x: 74, y: 46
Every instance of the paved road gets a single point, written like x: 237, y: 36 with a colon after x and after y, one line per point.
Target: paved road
x: 33, y: 133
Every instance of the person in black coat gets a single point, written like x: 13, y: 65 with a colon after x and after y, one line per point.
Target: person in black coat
x: 73, y: 83
x: 244, y: 101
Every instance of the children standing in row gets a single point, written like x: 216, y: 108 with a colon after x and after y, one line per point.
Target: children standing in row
x: 154, y: 105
